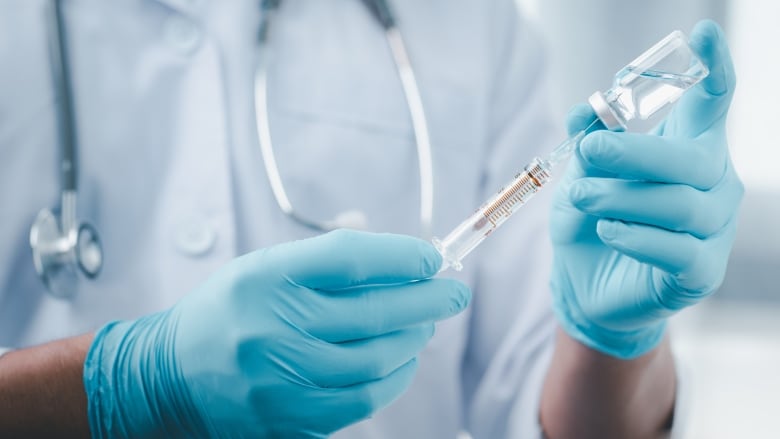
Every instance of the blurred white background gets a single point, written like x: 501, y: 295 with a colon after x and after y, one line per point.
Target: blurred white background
x: 729, y: 346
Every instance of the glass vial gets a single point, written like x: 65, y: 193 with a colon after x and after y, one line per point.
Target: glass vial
x: 654, y: 80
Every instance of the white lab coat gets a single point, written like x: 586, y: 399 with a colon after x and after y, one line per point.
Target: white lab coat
x: 172, y: 177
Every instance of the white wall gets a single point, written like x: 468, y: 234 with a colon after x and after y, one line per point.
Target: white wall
x: 754, y: 119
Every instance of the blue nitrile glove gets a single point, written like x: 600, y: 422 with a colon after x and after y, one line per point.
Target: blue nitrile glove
x: 643, y: 224
x: 298, y: 340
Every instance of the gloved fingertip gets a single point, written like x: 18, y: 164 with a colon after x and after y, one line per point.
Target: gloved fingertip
x: 460, y: 298
x: 597, y: 148
x: 706, y: 34
x: 579, y: 117
x: 707, y: 27
x: 579, y: 192
x: 708, y: 41
x: 607, y: 229
x: 589, y: 142
x: 466, y: 297
x: 430, y: 330
x: 431, y: 259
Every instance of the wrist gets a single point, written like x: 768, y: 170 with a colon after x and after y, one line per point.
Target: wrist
x: 132, y: 383
x: 624, y: 343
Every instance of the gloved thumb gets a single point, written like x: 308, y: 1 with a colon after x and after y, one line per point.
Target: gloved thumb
x: 580, y: 117
x: 708, y: 102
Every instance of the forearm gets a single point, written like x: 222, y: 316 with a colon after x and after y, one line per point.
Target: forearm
x: 42, y: 390
x: 590, y: 395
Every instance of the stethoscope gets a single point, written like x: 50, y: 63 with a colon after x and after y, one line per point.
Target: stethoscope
x: 65, y: 250
x: 354, y: 219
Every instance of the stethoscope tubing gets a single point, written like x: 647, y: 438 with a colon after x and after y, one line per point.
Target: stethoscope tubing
x: 60, y: 243
x: 381, y: 11
x: 66, y: 121
x: 63, y: 248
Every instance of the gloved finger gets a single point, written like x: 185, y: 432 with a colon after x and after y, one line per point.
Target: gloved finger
x: 706, y: 103
x: 363, y: 400
x: 674, y: 207
x: 690, y: 268
x: 346, y: 364
x: 580, y: 117
x: 347, y: 405
x: 345, y: 258
x: 370, y: 311
x: 698, y: 163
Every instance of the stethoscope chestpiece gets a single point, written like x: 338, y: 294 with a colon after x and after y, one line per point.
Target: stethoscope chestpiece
x: 61, y: 257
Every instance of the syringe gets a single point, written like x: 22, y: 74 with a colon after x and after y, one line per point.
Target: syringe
x: 488, y: 217
x: 654, y: 80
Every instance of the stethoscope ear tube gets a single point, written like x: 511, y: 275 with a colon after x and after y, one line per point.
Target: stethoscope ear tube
x: 58, y: 51
x: 382, y: 12
x: 351, y: 218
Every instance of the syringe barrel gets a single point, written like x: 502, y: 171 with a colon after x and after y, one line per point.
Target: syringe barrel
x: 471, y: 232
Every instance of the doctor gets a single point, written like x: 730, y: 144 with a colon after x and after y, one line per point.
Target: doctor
x: 212, y: 316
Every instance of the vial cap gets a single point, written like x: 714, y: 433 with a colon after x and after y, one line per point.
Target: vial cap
x: 603, y: 110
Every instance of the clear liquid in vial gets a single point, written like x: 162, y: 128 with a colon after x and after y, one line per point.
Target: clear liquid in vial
x: 639, y: 94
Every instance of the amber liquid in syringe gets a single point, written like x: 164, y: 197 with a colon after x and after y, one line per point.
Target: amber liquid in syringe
x: 525, y: 185
x: 492, y: 214
x: 471, y: 232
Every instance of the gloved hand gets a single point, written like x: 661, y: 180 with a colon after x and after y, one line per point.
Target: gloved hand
x: 298, y: 340
x: 643, y: 224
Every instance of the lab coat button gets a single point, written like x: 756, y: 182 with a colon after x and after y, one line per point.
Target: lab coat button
x: 183, y: 34
x: 195, y: 237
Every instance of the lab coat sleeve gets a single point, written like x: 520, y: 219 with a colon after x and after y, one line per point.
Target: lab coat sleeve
x: 512, y: 327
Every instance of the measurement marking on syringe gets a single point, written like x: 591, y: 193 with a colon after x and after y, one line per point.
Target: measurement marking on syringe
x: 516, y: 194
